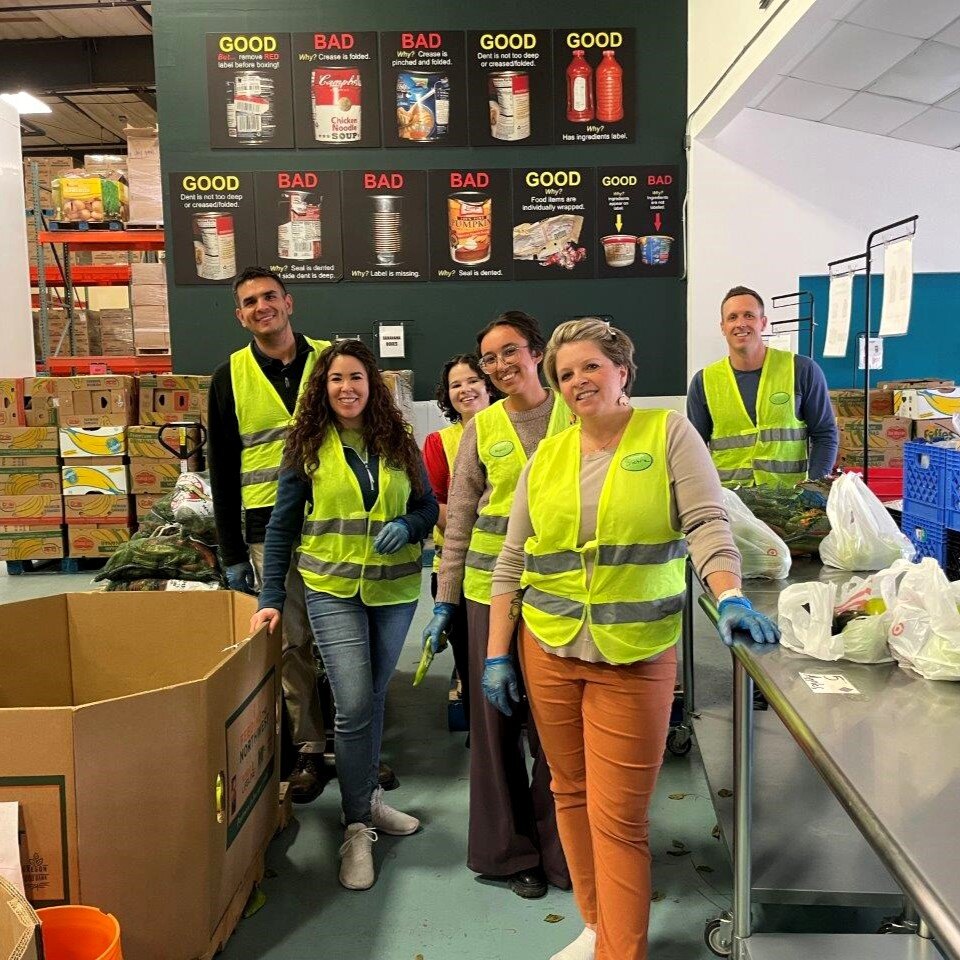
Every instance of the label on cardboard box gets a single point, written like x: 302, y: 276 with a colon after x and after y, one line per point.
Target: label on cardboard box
x: 81, y: 478
x: 927, y: 404
x: 153, y: 476
x: 93, y: 441
x: 96, y: 508
x: 145, y: 502
x: 23, y: 482
x: 40, y: 509
x: 28, y: 441
x: 100, y: 540
x: 935, y: 431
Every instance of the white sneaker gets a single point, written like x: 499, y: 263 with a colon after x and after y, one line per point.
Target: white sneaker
x: 391, y: 821
x: 356, y: 857
x: 583, y: 948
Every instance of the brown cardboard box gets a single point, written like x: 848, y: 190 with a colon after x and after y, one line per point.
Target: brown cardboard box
x: 28, y: 442
x: 143, y: 174
x: 143, y: 441
x: 97, y: 401
x: 933, y: 431
x: 96, y: 508
x: 145, y: 502
x: 148, y: 295
x: 96, y: 539
x: 11, y: 403
x: 28, y: 542
x: 400, y: 385
x: 40, y: 401
x: 149, y: 273
x: 38, y: 477
x: 19, y: 926
x: 40, y: 510
x: 168, y: 398
x: 149, y: 475
x: 885, y: 433
x: 155, y: 341
x: 96, y: 475
x: 86, y: 442
x: 849, y: 403
x: 145, y: 759
x: 847, y: 459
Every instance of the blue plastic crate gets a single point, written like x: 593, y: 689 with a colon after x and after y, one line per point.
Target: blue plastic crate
x: 930, y: 539
x: 924, y: 481
x: 951, y: 491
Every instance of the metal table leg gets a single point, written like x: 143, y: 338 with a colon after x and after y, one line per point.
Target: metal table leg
x: 743, y: 806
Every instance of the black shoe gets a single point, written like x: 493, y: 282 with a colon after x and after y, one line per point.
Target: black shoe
x: 529, y: 884
x: 308, y: 778
x: 387, y: 778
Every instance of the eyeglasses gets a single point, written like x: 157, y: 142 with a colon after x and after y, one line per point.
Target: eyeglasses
x: 506, y: 356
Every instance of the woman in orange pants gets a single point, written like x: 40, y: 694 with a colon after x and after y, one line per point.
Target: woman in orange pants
x: 602, y: 521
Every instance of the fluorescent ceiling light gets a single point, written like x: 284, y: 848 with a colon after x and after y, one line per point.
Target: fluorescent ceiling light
x: 25, y: 102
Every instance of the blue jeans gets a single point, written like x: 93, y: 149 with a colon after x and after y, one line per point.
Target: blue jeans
x: 360, y: 647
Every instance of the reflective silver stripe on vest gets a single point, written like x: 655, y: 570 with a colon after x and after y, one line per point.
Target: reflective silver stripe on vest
x: 248, y: 440
x: 490, y: 524
x: 613, y: 555
x: 781, y: 466
x: 733, y: 443
x: 563, y: 561
x: 344, y: 570
x: 480, y: 561
x: 345, y: 528
x: 396, y: 571
x: 647, y: 611
x: 741, y: 473
x: 553, y: 605
x: 784, y: 433
x: 259, y: 476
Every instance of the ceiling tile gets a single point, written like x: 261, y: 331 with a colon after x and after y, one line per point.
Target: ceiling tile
x: 938, y: 128
x: 798, y: 98
x: 951, y: 35
x: 951, y: 103
x: 853, y: 57
x: 926, y: 76
x: 921, y: 18
x: 873, y: 114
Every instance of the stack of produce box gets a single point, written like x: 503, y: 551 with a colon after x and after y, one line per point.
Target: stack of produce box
x: 153, y: 468
x: 167, y: 398
x: 58, y: 333
x: 143, y: 175
x: 151, y: 321
x: 888, y: 433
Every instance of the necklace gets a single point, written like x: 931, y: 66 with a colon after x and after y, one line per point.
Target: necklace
x: 614, y: 436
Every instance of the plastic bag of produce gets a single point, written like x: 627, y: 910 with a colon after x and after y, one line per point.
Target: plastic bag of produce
x: 863, y: 535
x: 763, y: 553
x: 925, y: 623
x: 795, y: 514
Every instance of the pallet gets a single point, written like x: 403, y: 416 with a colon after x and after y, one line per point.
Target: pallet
x: 144, y: 225
x: 16, y: 568
x: 152, y: 351
x: 70, y: 225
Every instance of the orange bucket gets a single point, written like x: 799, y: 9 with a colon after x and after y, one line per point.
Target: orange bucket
x: 79, y: 933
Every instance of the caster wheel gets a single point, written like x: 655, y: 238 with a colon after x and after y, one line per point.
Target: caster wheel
x: 679, y: 742
x: 717, y: 935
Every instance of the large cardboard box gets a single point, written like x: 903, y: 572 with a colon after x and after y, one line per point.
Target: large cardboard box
x: 926, y: 404
x: 138, y: 731
x: 96, y: 508
x: 19, y: 926
x: 93, y: 442
x: 26, y: 476
x: 28, y: 441
x: 40, y: 510
x: 27, y: 542
x: 40, y: 401
x: 143, y: 174
x: 935, y: 431
x: 849, y: 403
x: 149, y: 273
x: 11, y: 403
x: 144, y: 503
x: 170, y: 397
x: 144, y: 441
x: 97, y: 401
x: 96, y: 539
x: 886, y: 433
x: 149, y: 475
x: 96, y: 475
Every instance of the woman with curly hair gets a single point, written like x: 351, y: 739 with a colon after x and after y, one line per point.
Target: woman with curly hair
x: 354, y: 499
x: 464, y: 390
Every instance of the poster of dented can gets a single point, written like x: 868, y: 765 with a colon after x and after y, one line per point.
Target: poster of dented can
x: 336, y: 89
x: 554, y: 223
x: 213, y: 226
x: 423, y: 88
x: 248, y: 90
x: 510, y: 77
x: 298, y: 224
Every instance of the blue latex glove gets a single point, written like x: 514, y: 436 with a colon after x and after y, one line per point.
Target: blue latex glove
x: 435, y: 632
x: 240, y: 577
x: 499, y: 683
x: 736, y: 613
x: 392, y: 537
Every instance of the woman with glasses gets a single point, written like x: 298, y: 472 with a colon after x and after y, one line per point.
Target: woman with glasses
x: 513, y: 833
x: 594, y: 562
x: 463, y: 391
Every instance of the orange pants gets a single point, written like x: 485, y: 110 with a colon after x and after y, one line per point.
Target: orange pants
x: 603, y: 729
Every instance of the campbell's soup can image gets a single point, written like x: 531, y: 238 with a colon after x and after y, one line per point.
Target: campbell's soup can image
x: 214, y: 245
x: 423, y: 106
x: 336, y: 104
x: 469, y: 215
x: 299, y: 227
x: 509, y: 94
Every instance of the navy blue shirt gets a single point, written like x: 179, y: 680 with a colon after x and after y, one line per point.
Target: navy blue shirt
x: 294, y: 493
x: 811, y: 405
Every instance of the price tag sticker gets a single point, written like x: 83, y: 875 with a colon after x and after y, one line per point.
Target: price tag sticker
x: 828, y: 683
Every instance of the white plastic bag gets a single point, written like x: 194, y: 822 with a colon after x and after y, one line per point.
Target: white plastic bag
x: 763, y: 553
x: 925, y: 625
x: 862, y: 533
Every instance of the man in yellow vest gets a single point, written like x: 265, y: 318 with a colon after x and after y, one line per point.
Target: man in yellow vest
x: 764, y: 413
x: 252, y: 401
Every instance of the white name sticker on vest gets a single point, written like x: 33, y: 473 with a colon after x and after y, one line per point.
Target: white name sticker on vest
x: 502, y: 449
x: 635, y: 462
x: 780, y: 398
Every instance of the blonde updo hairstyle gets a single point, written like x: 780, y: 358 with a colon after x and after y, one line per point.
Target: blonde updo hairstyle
x: 615, y: 344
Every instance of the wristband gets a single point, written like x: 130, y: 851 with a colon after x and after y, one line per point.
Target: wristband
x: 727, y: 594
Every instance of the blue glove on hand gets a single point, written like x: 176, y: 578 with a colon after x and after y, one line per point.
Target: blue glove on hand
x: 435, y: 632
x: 499, y: 683
x: 240, y: 577
x: 736, y: 613
x: 392, y: 537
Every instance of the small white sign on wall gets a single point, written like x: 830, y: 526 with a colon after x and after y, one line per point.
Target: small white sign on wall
x: 391, y: 340
x: 876, y: 353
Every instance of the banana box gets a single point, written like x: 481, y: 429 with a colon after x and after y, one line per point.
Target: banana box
x: 97, y: 475
x: 935, y: 431
x: 96, y: 401
x: 40, y: 402
x: 165, y: 398
x: 19, y: 542
x: 17, y: 480
x: 926, y: 404
x: 144, y: 441
x: 96, y: 508
x: 11, y: 403
x: 145, y: 502
x: 93, y: 442
x: 40, y: 509
x: 28, y: 442
x: 153, y: 476
x: 100, y: 540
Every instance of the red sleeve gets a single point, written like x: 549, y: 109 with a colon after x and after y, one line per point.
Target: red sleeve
x: 437, y: 468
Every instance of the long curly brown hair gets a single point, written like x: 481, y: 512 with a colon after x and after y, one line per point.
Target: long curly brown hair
x: 384, y: 430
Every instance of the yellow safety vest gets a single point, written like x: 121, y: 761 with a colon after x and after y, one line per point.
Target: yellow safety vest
x: 264, y: 423
x: 501, y: 454
x: 450, y: 438
x: 633, y: 601
x: 336, y: 546
x: 772, y: 451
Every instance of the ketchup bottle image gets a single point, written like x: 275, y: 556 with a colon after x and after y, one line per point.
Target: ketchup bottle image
x: 579, y: 89
x: 609, y: 89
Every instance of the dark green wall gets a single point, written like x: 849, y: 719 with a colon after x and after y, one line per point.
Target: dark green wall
x: 442, y: 317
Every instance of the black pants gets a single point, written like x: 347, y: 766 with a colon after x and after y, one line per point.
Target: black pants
x: 513, y: 821
x: 458, y: 643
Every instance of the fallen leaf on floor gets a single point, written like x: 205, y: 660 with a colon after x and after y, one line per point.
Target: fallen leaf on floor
x: 256, y: 900
x: 724, y: 792
x: 657, y: 896
x: 552, y: 918
x: 715, y: 832
x: 679, y: 845
x: 676, y: 796
x: 678, y: 853
x: 703, y: 868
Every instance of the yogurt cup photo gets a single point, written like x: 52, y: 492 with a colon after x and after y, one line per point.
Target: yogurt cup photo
x: 619, y: 249
x: 655, y: 250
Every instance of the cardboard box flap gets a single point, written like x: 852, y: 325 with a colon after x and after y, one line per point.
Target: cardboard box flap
x: 26, y: 679
x: 19, y: 926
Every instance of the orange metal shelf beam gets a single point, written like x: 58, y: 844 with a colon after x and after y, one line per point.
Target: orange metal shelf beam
x: 81, y: 366
x: 105, y: 239
x: 97, y: 275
